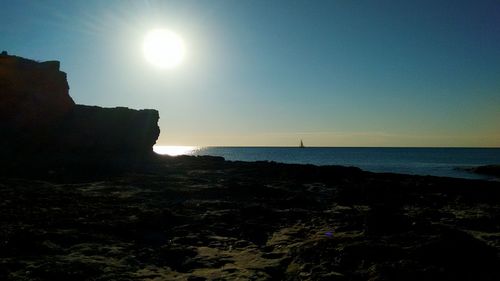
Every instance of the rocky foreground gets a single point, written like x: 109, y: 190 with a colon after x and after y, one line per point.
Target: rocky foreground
x: 203, y: 218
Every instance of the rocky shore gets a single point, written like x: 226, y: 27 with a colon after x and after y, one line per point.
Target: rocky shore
x: 203, y: 218
x: 490, y: 170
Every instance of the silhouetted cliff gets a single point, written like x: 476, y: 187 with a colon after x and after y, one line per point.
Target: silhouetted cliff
x: 38, y: 115
x: 33, y: 99
x: 120, y: 129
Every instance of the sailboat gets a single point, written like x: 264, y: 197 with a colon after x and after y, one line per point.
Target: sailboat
x: 301, y: 144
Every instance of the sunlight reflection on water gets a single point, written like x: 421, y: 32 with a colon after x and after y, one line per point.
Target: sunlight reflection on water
x: 174, y: 150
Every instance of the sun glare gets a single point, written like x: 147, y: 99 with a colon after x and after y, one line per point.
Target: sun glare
x: 174, y: 150
x: 163, y: 48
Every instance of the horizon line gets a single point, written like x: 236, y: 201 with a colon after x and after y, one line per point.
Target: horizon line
x: 291, y: 146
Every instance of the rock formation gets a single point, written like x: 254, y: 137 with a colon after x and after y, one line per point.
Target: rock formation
x: 120, y: 129
x: 33, y: 99
x: 37, y: 114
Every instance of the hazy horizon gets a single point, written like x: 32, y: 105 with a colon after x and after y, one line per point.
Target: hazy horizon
x: 342, y: 141
x: 270, y: 73
x: 293, y: 146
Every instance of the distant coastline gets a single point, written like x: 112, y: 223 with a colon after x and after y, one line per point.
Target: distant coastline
x: 437, y: 161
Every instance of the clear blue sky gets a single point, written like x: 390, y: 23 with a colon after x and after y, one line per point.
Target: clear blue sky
x: 334, y: 73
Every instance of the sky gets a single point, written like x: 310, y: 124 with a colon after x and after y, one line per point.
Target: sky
x: 270, y: 73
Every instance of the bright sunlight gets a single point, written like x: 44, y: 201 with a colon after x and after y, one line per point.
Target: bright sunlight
x: 163, y: 48
x: 173, y: 150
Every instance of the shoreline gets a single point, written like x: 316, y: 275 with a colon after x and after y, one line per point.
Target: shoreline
x: 437, y: 162
x: 204, y: 218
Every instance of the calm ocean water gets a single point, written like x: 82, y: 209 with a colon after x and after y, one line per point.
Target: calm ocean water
x: 419, y: 161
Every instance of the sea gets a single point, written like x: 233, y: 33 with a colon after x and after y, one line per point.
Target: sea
x: 443, y: 162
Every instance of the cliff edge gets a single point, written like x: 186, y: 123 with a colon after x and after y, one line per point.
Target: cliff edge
x: 38, y: 115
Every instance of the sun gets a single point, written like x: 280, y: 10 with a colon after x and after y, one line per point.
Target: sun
x: 163, y: 48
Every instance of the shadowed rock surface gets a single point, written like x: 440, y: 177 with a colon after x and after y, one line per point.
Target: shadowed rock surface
x: 491, y: 170
x: 203, y: 218
x: 37, y: 115
x: 33, y: 100
x: 120, y: 130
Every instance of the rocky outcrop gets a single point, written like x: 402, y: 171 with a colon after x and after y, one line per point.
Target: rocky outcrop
x: 202, y: 218
x: 120, y: 129
x: 38, y: 115
x: 31, y: 93
x: 33, y: 99
x: 491, y: 170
